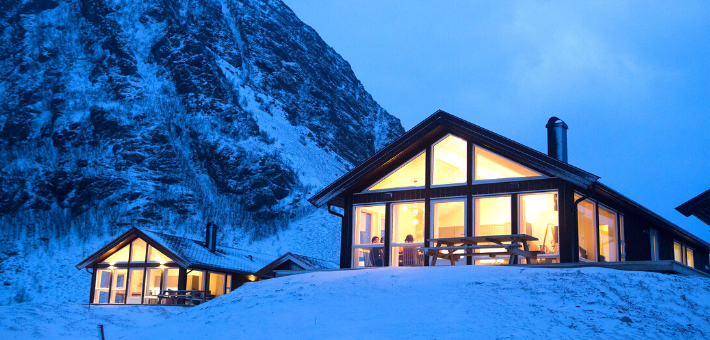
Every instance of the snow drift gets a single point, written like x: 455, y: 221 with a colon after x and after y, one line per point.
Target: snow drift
x: 454, y: 303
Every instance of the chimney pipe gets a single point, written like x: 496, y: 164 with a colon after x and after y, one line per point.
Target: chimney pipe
x: 557, y: 139
x: 208, y: 235
x: 213, y: 244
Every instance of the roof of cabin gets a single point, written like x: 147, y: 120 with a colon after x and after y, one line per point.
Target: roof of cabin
x: 443, y: 122
x: 698, y: 206
x: 187, y: 252
x: 197, y: 254
x: 306, y: 262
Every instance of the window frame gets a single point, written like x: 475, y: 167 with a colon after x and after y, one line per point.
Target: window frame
x: 355, y: 246
x: 388, y: 242
x: 475, y: 181
x: 616, y: 233
x: 521, y: 218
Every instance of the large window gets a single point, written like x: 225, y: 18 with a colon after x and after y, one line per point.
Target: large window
x: 489, y: 165
x: 195, y: 280
x: 449, y: 161
x: 135, y: 288
x: 492, y: 217
x: 155, y: 256
x: 411, y: 174
x: 587, y: 230
x: 683, y: 254
x: 138, y: 251
x: 607, y: 236
x: 539, y: 217
x: 407, y: 234
x: 369, y: 236
x: 118, y: 287
x: 120, y: 256
x: 449, y: 220
x: 153, y: 285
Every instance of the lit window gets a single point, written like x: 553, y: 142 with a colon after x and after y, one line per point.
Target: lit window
x: 155, y: 256
x: 678, y: 252
x: 216, y: 284
x: 449, y: 221
x: 492, y: 166
x: 407, y: 234
x: 492, y: 217
x: 539, y: 217
x: 195, y: 280
x: 118, y: 288
x: 153, y: 285
x: 103, y: 282
x: 369, y: 236
x: 654, y: 245
x: 411, y: 174
x: 228, y: 284
x: 689, y: 258
x: 586, y: 223
x: 118, y: 257
x: 138, y: 251
x: 135, y: 288
x: 449, y: 161
x: 607, y: 236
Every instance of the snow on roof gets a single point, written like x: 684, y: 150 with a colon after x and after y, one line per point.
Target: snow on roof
x: 195, y: 252
x: 316, y: 263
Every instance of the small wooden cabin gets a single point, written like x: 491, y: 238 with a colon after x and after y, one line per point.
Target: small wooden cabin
x: 141, y: 265
x: 447, y: 177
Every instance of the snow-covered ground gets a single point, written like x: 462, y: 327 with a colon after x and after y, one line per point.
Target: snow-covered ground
x: 407, y: 303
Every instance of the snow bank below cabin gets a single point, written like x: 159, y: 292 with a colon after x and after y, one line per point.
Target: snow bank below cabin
x: 452, y: 303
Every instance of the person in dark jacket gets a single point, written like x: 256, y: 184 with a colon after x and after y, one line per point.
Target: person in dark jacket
x: 376, y: 254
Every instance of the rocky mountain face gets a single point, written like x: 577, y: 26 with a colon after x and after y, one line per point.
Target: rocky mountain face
x: 167, y: 114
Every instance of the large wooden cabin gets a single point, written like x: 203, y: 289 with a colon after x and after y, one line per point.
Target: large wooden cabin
x: 145, y: 267
x: 448, y: 178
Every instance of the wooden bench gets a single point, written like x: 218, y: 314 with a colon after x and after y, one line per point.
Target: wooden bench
x: 449, y: 248
x: 190, y: 296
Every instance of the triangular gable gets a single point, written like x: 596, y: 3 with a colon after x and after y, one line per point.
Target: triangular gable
x: 123, y: 240
x: 436, y: 125
x: 411, y: 174
x: 489, y: 165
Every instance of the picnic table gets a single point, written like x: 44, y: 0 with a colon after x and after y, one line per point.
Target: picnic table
x: 190, y: 296
x: 450, y: 248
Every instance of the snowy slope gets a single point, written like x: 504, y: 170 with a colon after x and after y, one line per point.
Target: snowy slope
x: 413, y: 303
x: 454, y: 303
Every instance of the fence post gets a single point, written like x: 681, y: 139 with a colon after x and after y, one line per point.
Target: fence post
x: 101, y: 332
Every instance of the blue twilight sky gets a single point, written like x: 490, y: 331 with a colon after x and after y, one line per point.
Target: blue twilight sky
x: 631, y: 79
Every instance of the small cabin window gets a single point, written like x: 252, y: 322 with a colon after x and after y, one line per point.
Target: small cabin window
x: 409, y: 175
x: 489, y: 165
x: 449, y: 161
x: 678, y: 252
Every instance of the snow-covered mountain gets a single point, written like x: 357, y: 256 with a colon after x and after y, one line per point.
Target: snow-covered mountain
x: 168, y: 114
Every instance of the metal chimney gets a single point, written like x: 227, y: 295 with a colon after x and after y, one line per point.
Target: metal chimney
x: 208, y: 236
x: 557, y: 139
x: 213, y: 244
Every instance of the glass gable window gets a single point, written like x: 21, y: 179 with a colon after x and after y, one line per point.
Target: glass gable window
x: 407, y: 234
x: 449, y: 221
x: 138, y: 250
x: 155, y: 256
x: 489, y: 165
x: 586, y: 226
x: 369, y: 236
x: 449, y: 161
x: 539, y: 217
x: 411, y: 174
x: 607, y: 236
x: 118, y: 257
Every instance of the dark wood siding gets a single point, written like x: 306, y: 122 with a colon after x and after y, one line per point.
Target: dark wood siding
x: 569, y: 236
